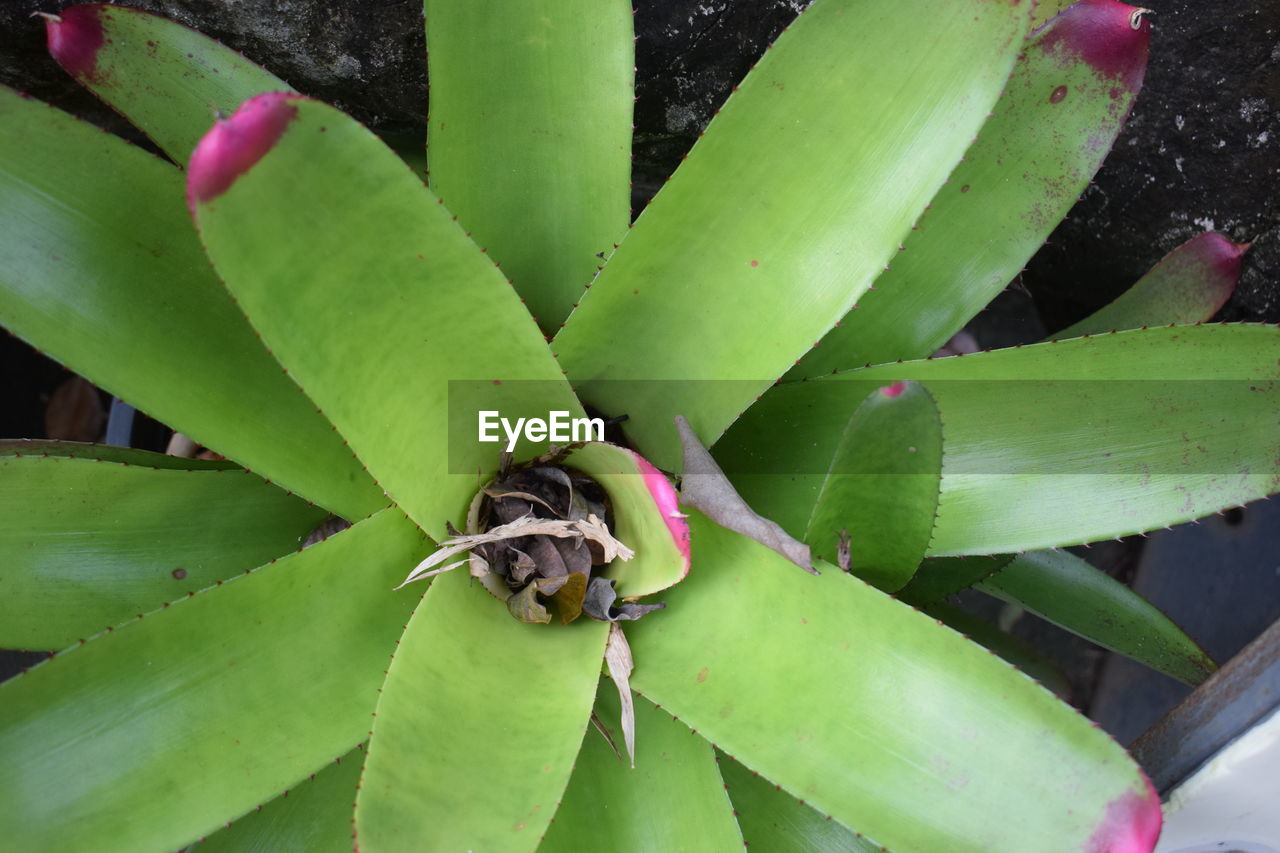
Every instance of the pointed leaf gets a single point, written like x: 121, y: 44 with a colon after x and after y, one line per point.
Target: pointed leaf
x: 101, y: 270
x: 541, y: 175
x: 155, y: 734
x: 1072, y: 594
x: 672, y: 800
x: 91, y: 544
x: 1056, y: 120
x: 22, y: 447
x: 888, y: 721
x: 786, y: 210
x: 370, y: 296
x: 771, y: 819
x: 1059, y: 443
x: 882, y: 487
x: 647, y: 518
x: 167, y: 79
x: 1189, y: 285
x: 477, y: 726
x: 312, y: 817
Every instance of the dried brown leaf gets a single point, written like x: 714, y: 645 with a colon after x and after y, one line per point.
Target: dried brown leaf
x: 568, y: 598
x: 617, y: 656
x: 524, y: 605
x: 592, y: 529
x: 705, y: 488
x: 605, y: 733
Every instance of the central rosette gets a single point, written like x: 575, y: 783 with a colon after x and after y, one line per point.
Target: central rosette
x: 586, y: 529
x: 555, y: 523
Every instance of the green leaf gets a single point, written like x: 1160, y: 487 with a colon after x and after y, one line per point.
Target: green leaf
x: 1189, y: 285
x: 100, y: 269
x: 167, y: 79
x: 882, y: 487
x: 92, y: 544
x: 477, y: 725
x: 155, y: 734
x: 938, y: 577
x: 540, y: 175
x: 672, y: 800
x: 13, y: 448
x: 878, y: 716
x: 871, y: 469
x: 773, y: 820
x: 313, y: 817
x: 786, y: 210
x: 372, y: 298
x: 1072, y: 594
x: 1069, y: 94
x: 1046, y: 9
x: 1013, y: 650
x: 645, y: 510
x: 1058, y: 443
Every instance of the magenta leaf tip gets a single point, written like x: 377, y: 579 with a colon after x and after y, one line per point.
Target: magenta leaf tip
x: 664, y: 495
x: 234, y: 145
x: 1112, y: 37
x: 1131, y: 823
x: 74, y: 37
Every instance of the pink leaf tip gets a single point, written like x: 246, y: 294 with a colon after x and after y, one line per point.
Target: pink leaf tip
x: 1226, y: 255
x: 1112, y: 37
x: 234, y: 145
x: 74, y: 37
x: 664, y: 495
x: 1131, y: 823
x: 895, y: 389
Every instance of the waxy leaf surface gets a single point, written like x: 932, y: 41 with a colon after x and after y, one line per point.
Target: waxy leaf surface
x: 672, y: 800
x: 1057, y: 443
x: 1189, y: 285
x: 786, y: 210
x: 878, y: 716
x: 1014, y: 650
x: 1072, y: 594
x: 159, y: 732
x: 938, y: 577
x: 771, y: 819
x: 313, y: 817
x: 167, y: 79
x: 89, y: 544
x: 477, y: 726
x: 540, y: 174
x: 101, y: 270
x: 1056, y: 120
x: 882, y: 487
x: 371, y: 297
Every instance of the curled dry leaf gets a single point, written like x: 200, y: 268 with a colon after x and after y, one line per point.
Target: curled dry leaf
x: 601, y: 603
x: 590, y: 529
x: 617, y: 656
x: 705, y: 488
x: 329, y: 527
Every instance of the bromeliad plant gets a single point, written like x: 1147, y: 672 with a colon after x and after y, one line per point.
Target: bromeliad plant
x: 235, y: 668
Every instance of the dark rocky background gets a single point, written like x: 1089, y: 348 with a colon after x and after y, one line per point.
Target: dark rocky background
x: 1201, y: 151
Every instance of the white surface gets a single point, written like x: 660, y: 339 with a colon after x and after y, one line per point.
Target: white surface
x: 1232, y: 804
